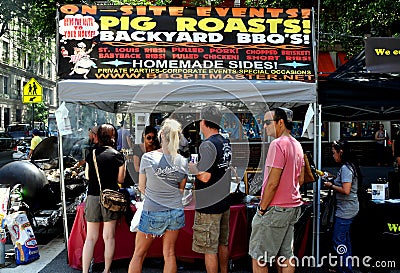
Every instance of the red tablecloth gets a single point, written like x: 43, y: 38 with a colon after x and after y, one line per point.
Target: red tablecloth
x: 125, y: 240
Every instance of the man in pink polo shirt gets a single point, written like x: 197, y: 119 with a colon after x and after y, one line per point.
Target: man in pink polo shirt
x: 272, y: 233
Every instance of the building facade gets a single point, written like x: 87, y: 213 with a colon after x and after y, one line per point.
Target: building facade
x: 19, y: 62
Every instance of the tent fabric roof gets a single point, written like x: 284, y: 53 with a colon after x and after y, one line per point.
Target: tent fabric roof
x: 113, y: 95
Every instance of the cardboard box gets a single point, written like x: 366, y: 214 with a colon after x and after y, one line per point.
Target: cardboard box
x: 380, y: 191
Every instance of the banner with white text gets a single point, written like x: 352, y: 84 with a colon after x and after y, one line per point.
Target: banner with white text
x: 153, y: 42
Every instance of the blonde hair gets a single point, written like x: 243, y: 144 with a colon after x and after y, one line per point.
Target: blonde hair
x: 171, y: 129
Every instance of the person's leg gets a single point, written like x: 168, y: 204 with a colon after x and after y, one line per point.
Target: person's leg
x: 92, y: 234
x: 142, y: 244
x: 109, y: 244
x: 287, y: 266
x: 169, y: 240
x: 266, y: 238
x: 223, y: 258
x: 341, y: 242
x: 211, y: 261
x: 259, y: 267
x: 380, y: 154
x: 205, y: 238
x: 223, y: 241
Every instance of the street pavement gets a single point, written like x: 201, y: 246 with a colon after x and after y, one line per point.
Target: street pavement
x: 5, y: 157
x: 54, y: 260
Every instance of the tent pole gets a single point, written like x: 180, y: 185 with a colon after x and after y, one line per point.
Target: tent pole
x: 62, y: 189
x: 316, y: 186
x: 319, y: 151
x: 60, y: 149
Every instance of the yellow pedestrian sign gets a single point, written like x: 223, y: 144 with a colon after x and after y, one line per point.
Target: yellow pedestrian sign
x: 33, y: 92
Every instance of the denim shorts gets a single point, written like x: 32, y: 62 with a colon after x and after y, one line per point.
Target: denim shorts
x: 157, y: 222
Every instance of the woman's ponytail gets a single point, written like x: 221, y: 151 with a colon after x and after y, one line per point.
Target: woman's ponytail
x: 171, y: 130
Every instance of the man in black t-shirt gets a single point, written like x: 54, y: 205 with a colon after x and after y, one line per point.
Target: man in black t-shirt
x: 212, y: 185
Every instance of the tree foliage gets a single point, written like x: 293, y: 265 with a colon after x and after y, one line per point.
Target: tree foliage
x: 30, y: 24
x: 41, y: 112
x: 347, y: 22
x: 142, y: 2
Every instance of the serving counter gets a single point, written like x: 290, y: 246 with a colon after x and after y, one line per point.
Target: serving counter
x: 125, y: 240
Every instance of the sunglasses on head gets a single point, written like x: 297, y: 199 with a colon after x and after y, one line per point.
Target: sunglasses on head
x: 267, y: 121
x: 150, y: 137
x: 90, y: 130
x: 338, y: 144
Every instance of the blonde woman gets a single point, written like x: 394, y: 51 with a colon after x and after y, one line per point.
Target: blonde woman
x: 162, y: 178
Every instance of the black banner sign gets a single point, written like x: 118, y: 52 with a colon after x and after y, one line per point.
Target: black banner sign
x: 153, y: 42
x: 382, y: 54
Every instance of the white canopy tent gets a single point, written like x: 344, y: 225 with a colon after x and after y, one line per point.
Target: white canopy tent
x: 153, y: 95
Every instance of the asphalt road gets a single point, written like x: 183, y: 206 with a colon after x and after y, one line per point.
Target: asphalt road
x: 5, y: 157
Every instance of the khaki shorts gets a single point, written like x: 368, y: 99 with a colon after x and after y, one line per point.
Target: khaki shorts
x: 272, y: 233
x: 95, y: 212
x: 210, y: 231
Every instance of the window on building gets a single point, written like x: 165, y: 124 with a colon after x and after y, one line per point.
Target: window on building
x: 22, y: 89
x: 44, y: 95
x: 19, y: 57
x: 41, y: 67
x: 30, y: 61
x: 49, y: 72
x: 50, y: 94
x: 6, y: 51
x: 24, y: 60
x: 5, y: 85
x: 18, y: 115
x: 6, y: 117
x: 19, y: 89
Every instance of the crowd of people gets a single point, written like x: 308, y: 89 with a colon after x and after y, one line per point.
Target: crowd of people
x: 161, y: 172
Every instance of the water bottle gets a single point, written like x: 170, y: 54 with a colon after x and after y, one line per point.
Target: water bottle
x: 322, y: 173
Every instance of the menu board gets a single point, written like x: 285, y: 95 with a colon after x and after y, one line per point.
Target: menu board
x: 185, y: 43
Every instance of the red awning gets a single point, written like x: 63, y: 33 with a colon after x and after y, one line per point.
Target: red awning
x: 326, y: 66
x: 342, y: 58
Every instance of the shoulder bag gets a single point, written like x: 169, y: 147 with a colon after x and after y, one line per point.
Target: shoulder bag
x: 328, y: 211
x: 110, y: 199
x: 309, y: 169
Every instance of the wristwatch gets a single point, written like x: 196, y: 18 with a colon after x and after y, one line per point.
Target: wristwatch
x: 262, y: 210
